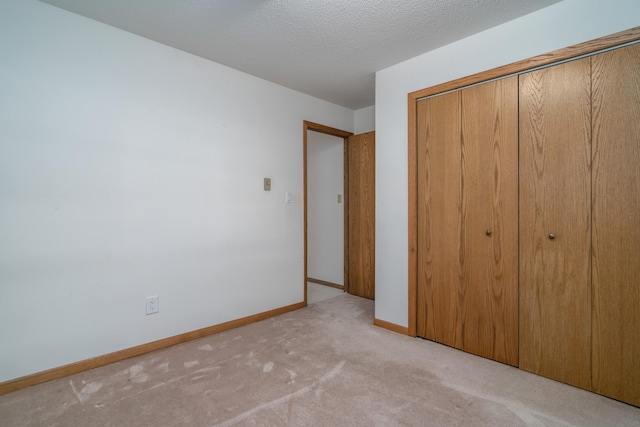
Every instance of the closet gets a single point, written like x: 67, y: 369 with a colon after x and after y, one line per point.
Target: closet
x: 527, y: 229
x: 555, y: 222
x: 468, y: 227
x: 615, y: 274
x: 580, y: 223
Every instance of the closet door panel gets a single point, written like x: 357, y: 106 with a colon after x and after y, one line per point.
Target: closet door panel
x: 489, y: 223
x: 438, y: 151
x: 616, y: 224
x: 555, y: 222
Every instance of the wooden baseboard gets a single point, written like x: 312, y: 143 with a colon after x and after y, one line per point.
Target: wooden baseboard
x: 323, y: 282
x: 85, y: 365
x: 391, y: 326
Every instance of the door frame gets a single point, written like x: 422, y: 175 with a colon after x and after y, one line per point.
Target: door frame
x: 568, y: 53
x: 316, y: 127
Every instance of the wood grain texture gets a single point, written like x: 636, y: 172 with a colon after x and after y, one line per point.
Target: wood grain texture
x: 488, y: 240
x: 362, y: 205
x: 413, y: 97
x: 85, y: 365
x: 574, y: 51
x: 555, y: 197
x: 412, y: 220
x: 438, y: 204
x: 616, y: 224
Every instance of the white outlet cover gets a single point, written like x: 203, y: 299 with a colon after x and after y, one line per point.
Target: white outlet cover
x: 152, y: 304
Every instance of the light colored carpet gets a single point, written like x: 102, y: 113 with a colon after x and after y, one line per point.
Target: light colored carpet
x: 317, y: 292
x: 325, y: 365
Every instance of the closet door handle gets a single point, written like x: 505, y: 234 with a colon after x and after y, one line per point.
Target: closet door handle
x: 552, y: 236
x: 488, y: 232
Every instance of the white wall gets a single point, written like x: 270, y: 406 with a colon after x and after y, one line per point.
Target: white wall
x: 364, y: 120
x: 561, y: 25
x: 128, y: 169
x: 325, y: 216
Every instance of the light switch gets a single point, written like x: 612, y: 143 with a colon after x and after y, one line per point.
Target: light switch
x: 267, y: 184
x: 339, y: 198
x: 287, y: 197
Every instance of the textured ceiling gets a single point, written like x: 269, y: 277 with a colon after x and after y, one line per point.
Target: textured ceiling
x: 329, y: 49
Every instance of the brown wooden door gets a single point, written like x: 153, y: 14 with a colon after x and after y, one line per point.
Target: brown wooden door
x: 361, y: 201
x: 488, y: 250
x: 616, y: 224
x: 438, y: 157
x: 467, y: 225
x: 555, y: 222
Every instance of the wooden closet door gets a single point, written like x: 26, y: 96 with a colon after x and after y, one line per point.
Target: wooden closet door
x: 488, y: 250
x: 438, y: 157
x: 616, y: 224
x: 555, y: 222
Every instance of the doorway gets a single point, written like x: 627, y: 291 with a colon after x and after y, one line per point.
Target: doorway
x: 325, y: 210
x: 358, y: 207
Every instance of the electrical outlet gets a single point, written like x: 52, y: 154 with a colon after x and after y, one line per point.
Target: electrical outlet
x: 152, y: 304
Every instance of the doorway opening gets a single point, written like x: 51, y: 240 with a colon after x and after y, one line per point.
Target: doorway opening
x: 356, y: 200
x: 324, y: 142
